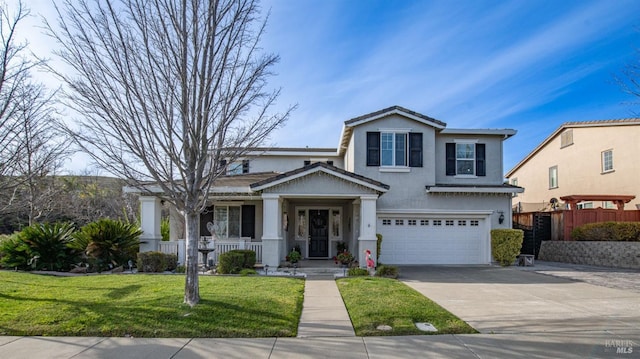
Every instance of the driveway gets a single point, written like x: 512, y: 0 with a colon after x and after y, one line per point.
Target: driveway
x: 498, y: 300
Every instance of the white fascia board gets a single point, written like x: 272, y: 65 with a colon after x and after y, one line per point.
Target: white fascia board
x: 151, y: 188
x: 302, y: 153
x: 397, y: 112
x: 454, y: 189
x: 434, y: 212
x: 230, y: 189
x: 507, y: 132
x: 314, y: 170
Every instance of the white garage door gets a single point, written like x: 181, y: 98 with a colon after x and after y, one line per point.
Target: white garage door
x: 433, y: 240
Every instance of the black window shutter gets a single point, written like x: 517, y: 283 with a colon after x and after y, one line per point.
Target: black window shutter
x: 248, y: 228
x: 415, y: 149
x: 481, y: 167
x: 222, y: 167
x: 373, y: 148
x: 451, y: 159
x: 306, y: 163
x: 245, y: 166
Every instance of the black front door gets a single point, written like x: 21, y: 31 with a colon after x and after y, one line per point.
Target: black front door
x: 319, y: 233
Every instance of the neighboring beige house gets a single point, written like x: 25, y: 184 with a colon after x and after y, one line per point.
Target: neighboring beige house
x: 581, y: 158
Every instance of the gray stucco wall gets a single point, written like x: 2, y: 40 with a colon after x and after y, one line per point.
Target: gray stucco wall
x: 606, y: 254
x: 282, y: 163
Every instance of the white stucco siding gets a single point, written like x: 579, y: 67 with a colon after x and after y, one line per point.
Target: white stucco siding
x: 493, y: 160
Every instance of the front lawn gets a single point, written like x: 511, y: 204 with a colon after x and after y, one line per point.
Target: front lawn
x: 148, y: 306
x: 372, y: 302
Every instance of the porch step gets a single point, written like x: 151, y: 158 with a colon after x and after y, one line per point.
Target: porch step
x: 314, y: 271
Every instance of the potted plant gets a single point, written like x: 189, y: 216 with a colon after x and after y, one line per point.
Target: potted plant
x: 294, y: 256
x: 344, y: 258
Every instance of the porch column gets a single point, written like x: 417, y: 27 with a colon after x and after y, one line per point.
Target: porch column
x: 367, y: 238
x: 150, y: 207
x: 271, y: 229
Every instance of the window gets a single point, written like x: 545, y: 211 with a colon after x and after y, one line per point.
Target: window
x: 553, y: 177
x: 465, y: 159
x: 437, y: 222
x: 514, y: 181
x: 474, y: 223
x: 449, y: 222
x: 411, y: 222
x: 238, y: 167
x: 226, y: 221
x: 399, y: 222
x: 462, y: 223
x: 394, y: 149
x: 585, y: 205
x: 607, y: 161
x: 386, y: 222
x: 609, y: 205
x: 424, y: 222
x: 566, y: 138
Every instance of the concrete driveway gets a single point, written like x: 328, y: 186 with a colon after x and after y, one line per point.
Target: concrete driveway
x: 498, y: 300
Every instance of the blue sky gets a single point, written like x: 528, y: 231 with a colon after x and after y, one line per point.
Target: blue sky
x: 529, y: 65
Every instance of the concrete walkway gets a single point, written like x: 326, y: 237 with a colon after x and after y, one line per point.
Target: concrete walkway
x: 323, y: 311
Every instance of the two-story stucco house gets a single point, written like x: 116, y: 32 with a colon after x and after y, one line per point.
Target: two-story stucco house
x: 433, y: 193
x: 595, y: 158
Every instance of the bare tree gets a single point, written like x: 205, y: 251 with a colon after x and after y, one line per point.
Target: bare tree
x: 165, y: 90
x: 629, y: 80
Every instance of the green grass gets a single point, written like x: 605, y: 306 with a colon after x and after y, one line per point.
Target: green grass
x: 148, y: 306
x: 378, y: 301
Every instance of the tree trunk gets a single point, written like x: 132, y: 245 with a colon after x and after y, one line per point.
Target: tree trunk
x: 191, y: 287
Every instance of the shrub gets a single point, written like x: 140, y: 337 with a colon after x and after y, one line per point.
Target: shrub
x: 154, y: 262
x: 249, y: 257
x: 607, y: 231
x: 47, y: 246
x: 294, y: 256
x: 230, y: 262
x: 387, y: 271
x: 506, y: 245
x: 107, y: 242
x: 172, y: 261
x: 14, y: 253
x: 378, y: 246
x: 181, y: 269
x: 358, y: 272
x: 246, y: 271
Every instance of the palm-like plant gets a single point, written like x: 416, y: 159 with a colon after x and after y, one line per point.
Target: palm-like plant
x: 48, y: 245
x: 108, y: 242
x: 14, y: 253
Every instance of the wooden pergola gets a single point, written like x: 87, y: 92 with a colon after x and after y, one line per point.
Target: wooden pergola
x: 619, y: 200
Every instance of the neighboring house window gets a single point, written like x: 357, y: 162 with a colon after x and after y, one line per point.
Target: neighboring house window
x: 607, y: 161
x: 566, y: 138
x: 514, y: 181
x: 585, y: 205
x: 466, y: 159
x: 609, y: 205
x: 395, y: 149
x: 553, y: 177
x: 238, y: 167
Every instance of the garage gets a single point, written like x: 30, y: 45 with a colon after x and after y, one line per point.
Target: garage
x: 434, y: 240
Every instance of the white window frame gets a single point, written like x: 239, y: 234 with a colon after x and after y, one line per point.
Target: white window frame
x: 472, y: 160
x: 553, y: 177
x: 607, y: 163
x: 222, y: 226
x: 394, y: 148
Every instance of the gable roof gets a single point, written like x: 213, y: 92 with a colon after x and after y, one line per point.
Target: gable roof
x: 347, y: 129
x: 324, y: 167
x: 573, y: 124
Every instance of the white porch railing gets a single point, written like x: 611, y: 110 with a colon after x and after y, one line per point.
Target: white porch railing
x: 221, y: 246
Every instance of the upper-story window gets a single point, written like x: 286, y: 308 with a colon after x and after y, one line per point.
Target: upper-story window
x: 607, y: 161
x: 553, y: 177
x: 394, y: 149
x: 466, y: 158
x: 236, y: 167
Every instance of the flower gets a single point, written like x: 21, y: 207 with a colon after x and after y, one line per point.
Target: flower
x: 344, y: 257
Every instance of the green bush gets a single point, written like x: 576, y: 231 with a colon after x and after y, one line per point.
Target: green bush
x: 378, y: 246
x: 107, y: 243
x: 230, y: 262
x: 506, y: 245
x: 607, y: 231
x: 172, y: 261
x: 294, y: 256
x: 14, y: 253
x: 181, y: 269
x: 246, y: 271
x: 357, y: 272
x: 152, y: 262
x: 387, y: 271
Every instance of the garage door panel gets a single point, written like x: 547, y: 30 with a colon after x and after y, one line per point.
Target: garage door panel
x: 456, y: 243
